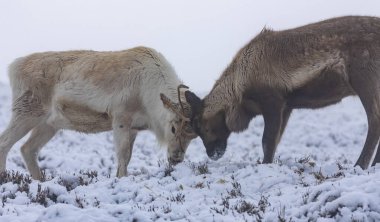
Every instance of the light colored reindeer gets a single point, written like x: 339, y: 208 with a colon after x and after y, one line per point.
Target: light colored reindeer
x: 307, y: 67
x: 92, y: 92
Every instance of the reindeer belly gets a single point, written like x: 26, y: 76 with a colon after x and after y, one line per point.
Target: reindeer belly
x: 326, y: 89
x: 81, y: 118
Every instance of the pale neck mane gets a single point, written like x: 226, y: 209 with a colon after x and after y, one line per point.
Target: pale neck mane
x: 161, y: 118
x: 166, y: 82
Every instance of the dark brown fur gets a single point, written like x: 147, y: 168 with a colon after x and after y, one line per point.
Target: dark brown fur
x: 307, y: 67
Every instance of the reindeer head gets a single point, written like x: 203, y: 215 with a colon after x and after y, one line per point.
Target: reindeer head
x: 211, y: 128
x: 179, y: 132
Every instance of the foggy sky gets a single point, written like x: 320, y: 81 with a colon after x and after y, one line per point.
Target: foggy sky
x: 198, y: 37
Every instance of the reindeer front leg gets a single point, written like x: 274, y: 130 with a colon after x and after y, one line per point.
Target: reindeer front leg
x: 124, y: 137
x: 284, y: 120
x: 274, y: 127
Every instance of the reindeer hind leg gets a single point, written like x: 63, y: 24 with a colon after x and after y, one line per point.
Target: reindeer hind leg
x: 365, y: 85
x: 40, y: 135
x: 377, y: 156
x: 27, y: 112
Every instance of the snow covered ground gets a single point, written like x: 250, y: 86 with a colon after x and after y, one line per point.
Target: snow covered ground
x: 313, y: 178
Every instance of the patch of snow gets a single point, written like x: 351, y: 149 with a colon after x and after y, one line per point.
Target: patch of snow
x: 312, y: 179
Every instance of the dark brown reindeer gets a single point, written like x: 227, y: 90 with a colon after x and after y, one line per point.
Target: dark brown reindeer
x: 307, y: 67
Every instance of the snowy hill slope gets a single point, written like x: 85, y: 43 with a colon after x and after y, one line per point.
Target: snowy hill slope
x: 313, y: 178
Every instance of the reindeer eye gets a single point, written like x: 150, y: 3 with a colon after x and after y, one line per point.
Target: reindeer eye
x: 173, y: 129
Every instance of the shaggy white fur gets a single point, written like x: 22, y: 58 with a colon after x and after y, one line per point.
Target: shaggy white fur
x: 91, y: 92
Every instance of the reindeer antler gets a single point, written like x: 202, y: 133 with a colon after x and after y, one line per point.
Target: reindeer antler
x: 180, y: 95
x: 178, y: 109
x: 174, y: 107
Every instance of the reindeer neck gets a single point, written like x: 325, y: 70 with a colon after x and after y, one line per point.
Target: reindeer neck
x: 159, y: 116
x: 223, y: 93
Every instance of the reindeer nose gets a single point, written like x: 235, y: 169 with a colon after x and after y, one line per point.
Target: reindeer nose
x: 175, y: 161
x: 215, y: 150
x: 213, y: 155
x: 176, y: 157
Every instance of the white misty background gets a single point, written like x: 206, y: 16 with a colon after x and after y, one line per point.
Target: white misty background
x: 198, y: 37
x: 312, y: 179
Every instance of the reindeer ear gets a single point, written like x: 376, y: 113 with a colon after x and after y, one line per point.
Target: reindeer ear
x: 194, y: 101
x: 165, y: 100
